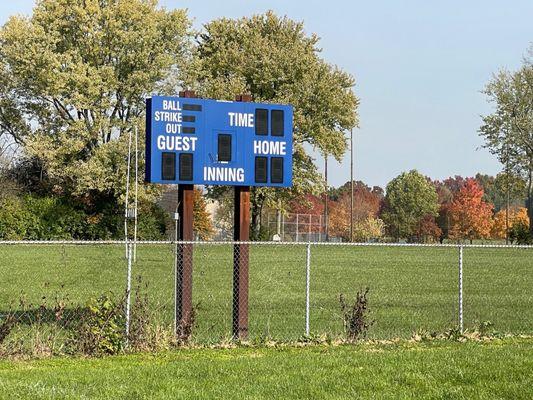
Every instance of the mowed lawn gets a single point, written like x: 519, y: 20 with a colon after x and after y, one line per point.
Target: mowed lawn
x: 410, y: 288
x: 436, y: 370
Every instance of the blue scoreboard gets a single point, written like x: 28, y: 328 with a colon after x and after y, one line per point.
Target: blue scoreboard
x: 211, y: 142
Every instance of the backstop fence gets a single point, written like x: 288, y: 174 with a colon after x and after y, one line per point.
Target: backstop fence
x: 294, y: 288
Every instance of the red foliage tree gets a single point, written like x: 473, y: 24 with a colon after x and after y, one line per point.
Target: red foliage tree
x: 428, y: 230
x: 367, y: 200
x: 311, y: 213
x: 366, y: 203
x: 307, y: 204
x: 455, y: 184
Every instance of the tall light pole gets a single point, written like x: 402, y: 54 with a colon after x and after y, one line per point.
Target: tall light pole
x: 508, y: 195
x: 351, y: 185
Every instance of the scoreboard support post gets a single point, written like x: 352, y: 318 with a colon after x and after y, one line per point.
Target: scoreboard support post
x: 184, y: 265
x: 192, y: 141
x: 241, y: 233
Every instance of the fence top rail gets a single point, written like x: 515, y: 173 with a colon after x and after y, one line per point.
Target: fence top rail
x: 207, y: 243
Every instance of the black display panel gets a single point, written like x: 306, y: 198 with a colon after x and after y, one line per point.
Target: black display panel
x: 261, y: 172
x: 277, y: 123
x: 224, y: 147
x: 261, y: 121
x: 186, y: 167
x: 168, y: 166
x: 276, y: 170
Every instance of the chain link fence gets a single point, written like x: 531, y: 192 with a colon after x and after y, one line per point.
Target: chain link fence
x: 292, y: 227
x: 294, y: 288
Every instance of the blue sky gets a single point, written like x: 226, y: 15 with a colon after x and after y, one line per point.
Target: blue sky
x: 419, y: 66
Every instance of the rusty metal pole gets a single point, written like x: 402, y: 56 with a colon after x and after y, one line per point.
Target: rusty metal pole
x: 184, y: 259
x: 241, y: 233
x: 184, y: 265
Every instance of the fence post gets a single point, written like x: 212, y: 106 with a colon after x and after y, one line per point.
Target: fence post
x: 297, y: 226
x: 309, y: 228
x: 128, y: 289
x: 282, y: 227
x: 461, y: 289
x: 307, y: 287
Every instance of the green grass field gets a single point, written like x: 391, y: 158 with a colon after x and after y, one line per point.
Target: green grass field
x: 500, y: 369
x: 410, y: 288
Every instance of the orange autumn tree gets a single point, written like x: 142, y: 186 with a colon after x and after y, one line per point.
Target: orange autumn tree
x: 202, y: 222
x: 470, y: 216
x: 366, y: 224
x: 517, y: 215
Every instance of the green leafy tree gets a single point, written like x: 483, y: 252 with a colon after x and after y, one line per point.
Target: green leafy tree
x: 74, y: 78
x: 516, y: 186
x: 495, y: 189
x: 274, y: 60
x: 409, y: 200
x: 508, y: 131
x: 12, y: 122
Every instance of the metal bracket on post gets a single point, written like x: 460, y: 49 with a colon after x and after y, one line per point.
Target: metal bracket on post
x: 241, y: 233
x: 131, y: 213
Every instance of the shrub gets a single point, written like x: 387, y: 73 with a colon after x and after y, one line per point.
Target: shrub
x: 32, y: 217
x: 185, y: 328
x: 355, y: 317
x: 15, y: 219
x: 48, y: 218
x: 519, y: 233
x: 7, y: 323
x: 146, y: 333
x: 486, y: 328
x: 141, y: 318
x: 101, y: 330
x: 152, y: 222
x: 53, y: 219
